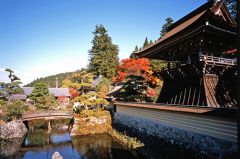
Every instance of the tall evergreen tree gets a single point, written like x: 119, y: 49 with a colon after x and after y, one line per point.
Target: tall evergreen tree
x: 150, y: 42
x: 103, y: 56
x: 136, y: 49
x: 133, y: 56
x: 43, y: 99
x: 168, y: 23
x: 145, y: 44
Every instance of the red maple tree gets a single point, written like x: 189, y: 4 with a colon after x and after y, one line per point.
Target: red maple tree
x: 74, y: 93
x: 140, y: 67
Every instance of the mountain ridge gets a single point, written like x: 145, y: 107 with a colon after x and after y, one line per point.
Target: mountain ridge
x: 51, y: 80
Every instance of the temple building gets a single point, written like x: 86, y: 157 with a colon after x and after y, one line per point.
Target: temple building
x: 202, y: 45
x: 61, y: 95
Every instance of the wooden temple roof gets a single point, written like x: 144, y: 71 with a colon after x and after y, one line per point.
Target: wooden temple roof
x: 181, y: 27
x: 197, y: 18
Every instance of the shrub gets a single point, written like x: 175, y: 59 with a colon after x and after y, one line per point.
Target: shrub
x: 101, y: 101
x: 3, y: 108
x: 15, y: 110
x: 103, y: 113
x: 50, y: 102
x: 69, y: 108
x: 3, y: 104
x: 88, y: 101
x: 103, y: 87
x: 131, y: 142
x: 94, y: 112
x: 86, y: 113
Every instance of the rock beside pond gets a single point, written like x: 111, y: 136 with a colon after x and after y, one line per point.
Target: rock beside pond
x: 10, y: 147
x: 13, y: 129
x: 56, y: 155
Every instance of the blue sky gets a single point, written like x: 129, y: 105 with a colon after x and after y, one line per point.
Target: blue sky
x: 44, y: 37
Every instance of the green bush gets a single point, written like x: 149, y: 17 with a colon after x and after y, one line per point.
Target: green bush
x: 94, y: 112
x: 101, y: 101
x: 88, y: 101
x: 3, y: 104
x: 86, y: 113
x: 99, y: 112
x: 3, y: 108
x: 50, y: 102
x: 14, y: 110
x: 131, y: 142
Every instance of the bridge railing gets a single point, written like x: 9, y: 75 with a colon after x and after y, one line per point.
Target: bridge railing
x: 50, y: 113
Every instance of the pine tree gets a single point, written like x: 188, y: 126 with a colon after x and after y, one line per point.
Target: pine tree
x: 136, y: 49
x: 145, y: 44
x: 13, y: 87
x: 168, y: 23
x: 103, y: 56
x: 41, y: 96
x: 40, y: 91
x: 133, y: 56
x: 150, y: 42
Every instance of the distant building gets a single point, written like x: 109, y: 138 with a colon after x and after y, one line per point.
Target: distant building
x: 61, y: 94
x: 114, y: 92
x: 17, y: 97
x: 63, y: 100
x: 56, y: 92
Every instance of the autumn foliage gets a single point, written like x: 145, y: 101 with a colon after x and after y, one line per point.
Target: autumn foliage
x: 151, y: 92
x: 74, y: 93
x: 139, y: 83
x: 139, y: 67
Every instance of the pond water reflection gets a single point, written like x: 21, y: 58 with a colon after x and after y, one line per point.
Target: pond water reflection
x: 41, y: 145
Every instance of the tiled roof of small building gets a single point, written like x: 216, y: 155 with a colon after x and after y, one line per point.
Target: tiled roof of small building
x: 55, y: 91
x: 116, y: 90
x: 27, y: 90
x: 18, y: 96
x: 59, y: 92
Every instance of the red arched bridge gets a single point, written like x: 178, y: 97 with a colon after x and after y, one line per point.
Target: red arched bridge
x: 47, y: 114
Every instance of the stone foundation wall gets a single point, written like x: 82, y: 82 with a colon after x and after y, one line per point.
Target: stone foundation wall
x: 161, y: 140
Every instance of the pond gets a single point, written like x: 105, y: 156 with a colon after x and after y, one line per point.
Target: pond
x: 38, y: 144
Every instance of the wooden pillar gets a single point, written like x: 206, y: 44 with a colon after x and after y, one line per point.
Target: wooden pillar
x: 49, y: 126
x: 49, y: 139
